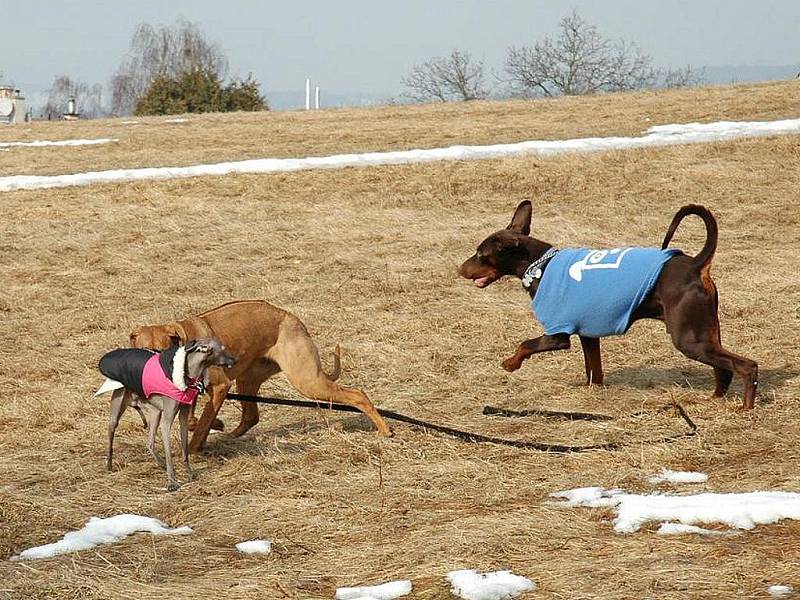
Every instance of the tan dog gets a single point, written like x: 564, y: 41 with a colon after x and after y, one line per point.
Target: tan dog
x: 265, y: 341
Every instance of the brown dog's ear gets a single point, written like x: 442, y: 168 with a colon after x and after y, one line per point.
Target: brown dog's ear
x: 521, y: 221
x: 177, y: 333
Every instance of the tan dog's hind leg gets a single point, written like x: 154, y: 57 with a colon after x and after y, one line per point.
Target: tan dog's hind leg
x: 298, y: 358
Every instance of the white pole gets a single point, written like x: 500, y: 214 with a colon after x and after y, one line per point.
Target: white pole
x: 308, y: 94
x: 316, y: 98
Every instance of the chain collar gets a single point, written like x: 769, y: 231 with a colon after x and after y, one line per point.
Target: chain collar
x: 535, y: 269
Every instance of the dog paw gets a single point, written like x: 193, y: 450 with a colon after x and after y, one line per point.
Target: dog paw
x: 511, y: 364
x: 173, y: 486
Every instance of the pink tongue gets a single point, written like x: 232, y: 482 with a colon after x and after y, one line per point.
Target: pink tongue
x: 481, y: 282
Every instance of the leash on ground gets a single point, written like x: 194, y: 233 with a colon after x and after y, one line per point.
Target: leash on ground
x: 477, y: 437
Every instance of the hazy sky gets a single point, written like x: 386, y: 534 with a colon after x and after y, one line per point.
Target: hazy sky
x: 368, y: 45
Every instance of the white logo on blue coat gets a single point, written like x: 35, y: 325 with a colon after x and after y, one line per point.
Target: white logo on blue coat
x: 594, y: 259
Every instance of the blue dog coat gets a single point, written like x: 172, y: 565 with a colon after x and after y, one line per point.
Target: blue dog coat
x: 594, y: 292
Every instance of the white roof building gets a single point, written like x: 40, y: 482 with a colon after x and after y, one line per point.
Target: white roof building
x: 13, y: 108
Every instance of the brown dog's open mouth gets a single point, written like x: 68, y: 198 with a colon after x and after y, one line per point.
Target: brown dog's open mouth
x: 482, y: 282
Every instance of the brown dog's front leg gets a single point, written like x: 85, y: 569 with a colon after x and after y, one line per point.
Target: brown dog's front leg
x: 203, y: 426
x: 544, y: 343
x: 592, y: 360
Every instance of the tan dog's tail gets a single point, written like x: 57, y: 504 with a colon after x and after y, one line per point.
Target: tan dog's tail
x: 337, y: 364
x: 703, y: 258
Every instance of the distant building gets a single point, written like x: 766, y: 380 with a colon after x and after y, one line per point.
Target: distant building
x: 12, y: 105
x: 71, y: 114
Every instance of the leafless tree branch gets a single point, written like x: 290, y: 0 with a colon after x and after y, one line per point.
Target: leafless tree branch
x: 454, y: 77
x: 579, y: 61
x: 89, y: 99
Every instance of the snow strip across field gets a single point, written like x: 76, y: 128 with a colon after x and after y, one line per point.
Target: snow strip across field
x: 255, y: 547
x: 500, y: 585
x: 101, y: 531
x: 40, y: 143
x: 385, y: 591
x: 667, y: 476
x: 738, y: 511
x: 661, y: 135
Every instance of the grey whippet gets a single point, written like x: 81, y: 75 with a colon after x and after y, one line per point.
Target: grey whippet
x: 164, y: 384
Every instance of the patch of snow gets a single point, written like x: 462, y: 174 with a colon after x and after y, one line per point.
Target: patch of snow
x: 40, y: 143
x: 500, y: 585
x: 678, y: 477
x: 661, y: 135
x: 99, y: 531
x: 680, y: 529
x: 175, y: 120
x: 737, y: 510
x: 384, y: 591
x: 779, y: 591
x: 255, y: 547
x: 595, y: 497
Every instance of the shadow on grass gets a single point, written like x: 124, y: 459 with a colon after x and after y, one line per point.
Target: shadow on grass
x: 699, y: 378
x: 260, y: 440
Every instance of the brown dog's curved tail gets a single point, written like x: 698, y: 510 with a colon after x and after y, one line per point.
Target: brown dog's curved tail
x: 705, y: 255
x: 337, y: 364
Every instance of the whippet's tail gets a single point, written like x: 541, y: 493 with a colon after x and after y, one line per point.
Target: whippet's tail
x: 109, y: 385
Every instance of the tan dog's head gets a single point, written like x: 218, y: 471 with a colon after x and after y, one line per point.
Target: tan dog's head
x: 158, y: 337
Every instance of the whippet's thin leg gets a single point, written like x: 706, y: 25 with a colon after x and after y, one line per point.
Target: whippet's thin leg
x: 544, y: 343
x: 141, y: 414
x: 168, y: 416
x: 154, y: 417
x: 592, y: 360
x: 119, y: 402
x: 183, y: 421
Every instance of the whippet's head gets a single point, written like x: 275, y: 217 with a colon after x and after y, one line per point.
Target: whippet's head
x: 208, y: 352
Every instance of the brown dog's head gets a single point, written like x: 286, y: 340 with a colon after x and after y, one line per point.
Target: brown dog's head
x: 158, y: 337
x: 503, y: 252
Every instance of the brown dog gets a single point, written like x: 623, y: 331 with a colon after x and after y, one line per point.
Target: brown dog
x: 684, y: 297
x: 265, y: 341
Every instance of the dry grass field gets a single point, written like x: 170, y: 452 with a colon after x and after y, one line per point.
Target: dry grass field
x: 367, y: 258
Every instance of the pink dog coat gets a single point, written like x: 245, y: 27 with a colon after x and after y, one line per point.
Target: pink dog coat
x: 146, y: 373
x: 155, y: 381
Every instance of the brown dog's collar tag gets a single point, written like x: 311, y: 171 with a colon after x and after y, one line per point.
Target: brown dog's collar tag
x: 535, y: 269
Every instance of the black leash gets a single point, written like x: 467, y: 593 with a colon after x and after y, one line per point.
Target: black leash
x: 493, y: 411
x: 477, y: 437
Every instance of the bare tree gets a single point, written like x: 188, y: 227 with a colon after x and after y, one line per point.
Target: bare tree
x: 682, y: 77
x: 579, y: 61
x: 454, y: 77
x: 169, y: 52
x: 88, y: 99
